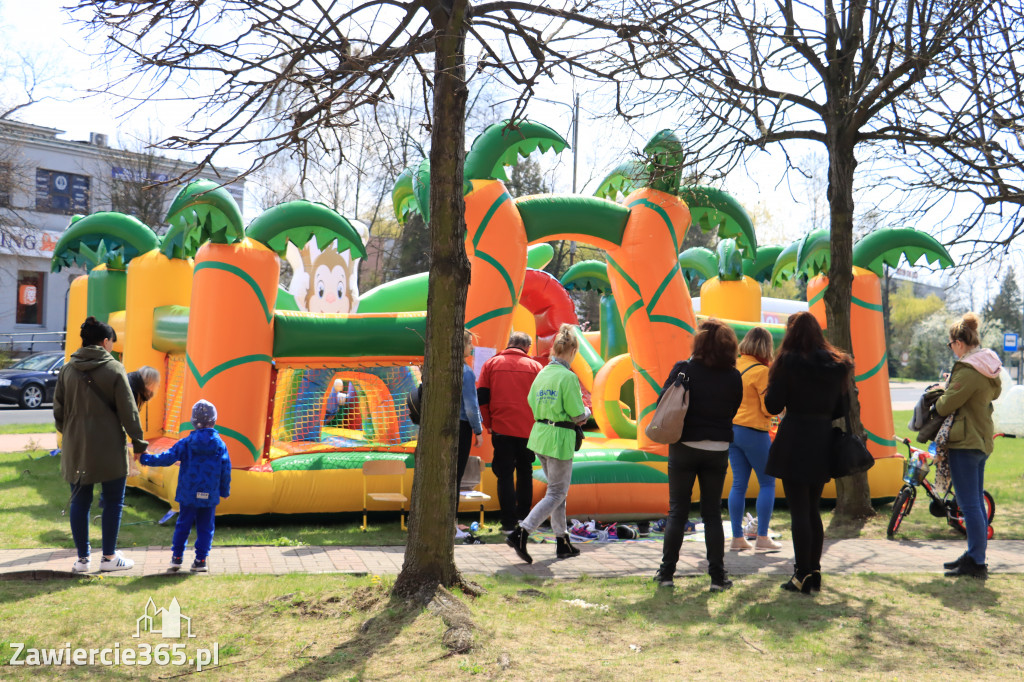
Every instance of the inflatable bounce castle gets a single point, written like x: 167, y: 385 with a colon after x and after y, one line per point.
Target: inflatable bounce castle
x: 311, y: 382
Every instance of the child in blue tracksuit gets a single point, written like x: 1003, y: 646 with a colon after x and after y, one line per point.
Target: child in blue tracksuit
x: 204, y: 478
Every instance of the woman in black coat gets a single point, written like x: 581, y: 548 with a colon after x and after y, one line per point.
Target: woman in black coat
x: 809, y: 380
x: 702, y: 453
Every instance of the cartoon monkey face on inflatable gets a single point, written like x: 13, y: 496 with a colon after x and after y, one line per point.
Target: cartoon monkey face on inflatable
x: 325, y: 281
x: 333, y: 284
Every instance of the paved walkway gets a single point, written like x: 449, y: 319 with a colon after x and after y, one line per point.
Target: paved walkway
x: 608, y: 560
x: 18, y: 442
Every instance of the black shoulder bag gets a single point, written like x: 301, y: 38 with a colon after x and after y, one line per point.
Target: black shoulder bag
x: 849, y: 453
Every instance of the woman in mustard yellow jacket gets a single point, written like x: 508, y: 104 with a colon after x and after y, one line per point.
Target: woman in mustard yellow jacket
x: 749, y: 449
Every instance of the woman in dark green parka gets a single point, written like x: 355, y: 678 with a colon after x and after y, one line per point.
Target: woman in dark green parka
x: 93, y: 408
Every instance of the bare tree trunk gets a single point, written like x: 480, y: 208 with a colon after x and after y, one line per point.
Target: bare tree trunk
x: 430, y: 553
x: 853, y: 496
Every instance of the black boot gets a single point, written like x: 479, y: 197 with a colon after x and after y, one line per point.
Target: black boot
x: 720, y: 580
x: 969, y: 567
x: 664, y: 576
x: 950, y: 565
x: 800, y: 582
x: 565, y: 549
x: 517, y: 541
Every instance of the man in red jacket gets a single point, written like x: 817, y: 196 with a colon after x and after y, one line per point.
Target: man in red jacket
x: 502, y: 388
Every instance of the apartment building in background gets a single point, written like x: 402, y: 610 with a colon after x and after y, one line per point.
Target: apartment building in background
x: 44, y: 181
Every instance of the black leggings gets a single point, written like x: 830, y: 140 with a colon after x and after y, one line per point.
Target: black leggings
x: 707, y: 467
x: 465, y: 441
x: 804, y: 500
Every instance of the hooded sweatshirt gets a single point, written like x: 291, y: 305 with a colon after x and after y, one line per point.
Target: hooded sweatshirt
x: 973, y: 386
x: 94, y: 422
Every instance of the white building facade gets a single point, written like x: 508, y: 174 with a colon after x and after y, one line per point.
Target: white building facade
x: 44, y: 181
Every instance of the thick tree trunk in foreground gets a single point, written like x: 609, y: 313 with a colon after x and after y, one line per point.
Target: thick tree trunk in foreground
x: 853, y: 495
x: 430, y: 553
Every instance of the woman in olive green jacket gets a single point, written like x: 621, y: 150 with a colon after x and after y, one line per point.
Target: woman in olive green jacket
x: 93, y: 408
x: 972, y: 387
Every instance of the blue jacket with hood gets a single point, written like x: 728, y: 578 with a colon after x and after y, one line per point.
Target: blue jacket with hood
x: 205, y: 474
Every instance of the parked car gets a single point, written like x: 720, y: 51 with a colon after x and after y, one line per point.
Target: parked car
x: 30, y: 382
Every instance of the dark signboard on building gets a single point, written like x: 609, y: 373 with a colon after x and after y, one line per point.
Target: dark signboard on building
x: 59, y: 192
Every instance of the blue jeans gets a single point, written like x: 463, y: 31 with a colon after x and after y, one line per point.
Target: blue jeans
x: 112, y: 501
x: 202, y: 518
x: 968, y: 470
x: 749, y: 451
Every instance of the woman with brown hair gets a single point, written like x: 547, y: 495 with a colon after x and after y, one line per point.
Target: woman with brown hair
x: 973, y: 386
x: 702, y: 453
x: 809, y: 380
x: 749, y: 449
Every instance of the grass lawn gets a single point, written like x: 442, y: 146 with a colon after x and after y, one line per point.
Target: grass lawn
x: 312, y: 627
x: 28, y: 428
x: 33, y: 496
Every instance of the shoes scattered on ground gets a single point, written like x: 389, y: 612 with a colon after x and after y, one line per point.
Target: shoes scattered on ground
x: 175, y: 564
x: 199, y: 566
x: 766, y: 544
x: 749, y: 524
x: 740, y: 544
x: 81, y: 566
x: 118, y: 562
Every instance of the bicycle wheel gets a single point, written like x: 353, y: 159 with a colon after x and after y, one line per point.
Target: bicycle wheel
x: 990, y: 506
x: 956, y: 518
x: 900, y: 508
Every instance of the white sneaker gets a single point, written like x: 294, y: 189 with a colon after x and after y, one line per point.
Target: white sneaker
x: 118, y: 563
x: 749, y: 527
x: 81, y: 566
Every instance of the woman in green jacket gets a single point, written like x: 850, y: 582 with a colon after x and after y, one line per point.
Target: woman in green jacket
x: 557, y: 403
x: 93, y: 408
x: 973, y: 385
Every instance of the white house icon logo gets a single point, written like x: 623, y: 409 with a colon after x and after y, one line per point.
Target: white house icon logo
x: 164, y: 622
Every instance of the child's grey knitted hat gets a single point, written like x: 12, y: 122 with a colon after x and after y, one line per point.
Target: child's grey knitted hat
x: 204, y: 415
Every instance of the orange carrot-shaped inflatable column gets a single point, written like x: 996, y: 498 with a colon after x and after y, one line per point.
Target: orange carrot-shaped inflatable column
x: 867, y: 334
x: 657, y: 313
x: 231, y: 341
x: 496, y: 246
x: 229, y: 350
x: 867, y: 325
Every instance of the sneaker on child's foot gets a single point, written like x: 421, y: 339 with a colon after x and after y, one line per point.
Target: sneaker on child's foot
x: 199, y: 566
x: 81, y: 566
x: 118, y: 562
x: 175, y: 564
